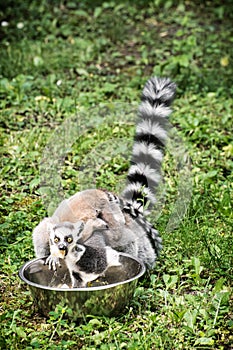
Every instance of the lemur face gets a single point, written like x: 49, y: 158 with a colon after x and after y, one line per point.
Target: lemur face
x: 62, y: 236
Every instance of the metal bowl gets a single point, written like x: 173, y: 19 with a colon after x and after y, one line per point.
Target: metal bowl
x: 107, y: 297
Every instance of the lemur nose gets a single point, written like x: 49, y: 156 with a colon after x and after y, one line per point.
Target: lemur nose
x: 62, y: 247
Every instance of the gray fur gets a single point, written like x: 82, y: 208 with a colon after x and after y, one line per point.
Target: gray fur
x: 86, y: 263
x: 127, y: 228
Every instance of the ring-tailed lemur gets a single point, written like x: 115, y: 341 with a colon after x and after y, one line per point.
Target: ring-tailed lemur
x: 61, y: 236
x: 128, y: 229
x: 85, y: 263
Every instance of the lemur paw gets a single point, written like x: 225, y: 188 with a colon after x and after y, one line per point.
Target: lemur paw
x: 53, y: 262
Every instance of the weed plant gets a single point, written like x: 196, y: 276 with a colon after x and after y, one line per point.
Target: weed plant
x: 63, y: 58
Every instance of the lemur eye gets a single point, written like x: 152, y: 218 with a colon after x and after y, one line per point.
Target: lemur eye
x: 56, y: 239
x: 69, y: 239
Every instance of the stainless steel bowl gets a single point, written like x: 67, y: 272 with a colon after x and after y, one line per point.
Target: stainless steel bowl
x: 107, y: 297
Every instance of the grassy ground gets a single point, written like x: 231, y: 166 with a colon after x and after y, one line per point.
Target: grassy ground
x: 60, y: 58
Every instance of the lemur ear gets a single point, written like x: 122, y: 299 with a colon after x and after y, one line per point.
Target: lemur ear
x: 50, y: 226
x: 78, y: 226
x: 80, y: 248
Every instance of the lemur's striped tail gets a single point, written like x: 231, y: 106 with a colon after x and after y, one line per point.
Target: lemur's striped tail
x: 150, y: 139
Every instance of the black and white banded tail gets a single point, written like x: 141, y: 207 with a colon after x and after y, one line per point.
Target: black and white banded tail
x: 150, y: 139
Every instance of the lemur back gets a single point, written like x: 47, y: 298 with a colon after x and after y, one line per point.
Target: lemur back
x: 128, y: 230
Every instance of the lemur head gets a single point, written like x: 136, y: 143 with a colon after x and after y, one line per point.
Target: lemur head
x: 62, y: 236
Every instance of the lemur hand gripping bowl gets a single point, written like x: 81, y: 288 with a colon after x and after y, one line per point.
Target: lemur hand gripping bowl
x: 107, y: 297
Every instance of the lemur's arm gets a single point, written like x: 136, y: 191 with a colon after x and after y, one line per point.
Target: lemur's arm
x: 41, y: 238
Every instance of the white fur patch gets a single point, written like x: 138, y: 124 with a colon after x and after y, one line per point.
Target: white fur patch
x: 112, y: 257
x: 145, y: 170
x: 159, y: 88
x: 146, y: 109
x: 137, y: 187
x: 148, y: 127
x: 145, y: 149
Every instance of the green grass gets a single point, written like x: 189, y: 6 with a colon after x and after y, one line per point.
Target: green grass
x: 60, y: 60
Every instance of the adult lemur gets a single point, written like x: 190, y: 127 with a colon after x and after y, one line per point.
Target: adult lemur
x: 127, y: 228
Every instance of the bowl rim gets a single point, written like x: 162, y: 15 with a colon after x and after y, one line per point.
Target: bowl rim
x: 81, y: 289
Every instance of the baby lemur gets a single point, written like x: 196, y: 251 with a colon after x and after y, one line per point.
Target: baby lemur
x: 85, y: 263
x: 127, y: 228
